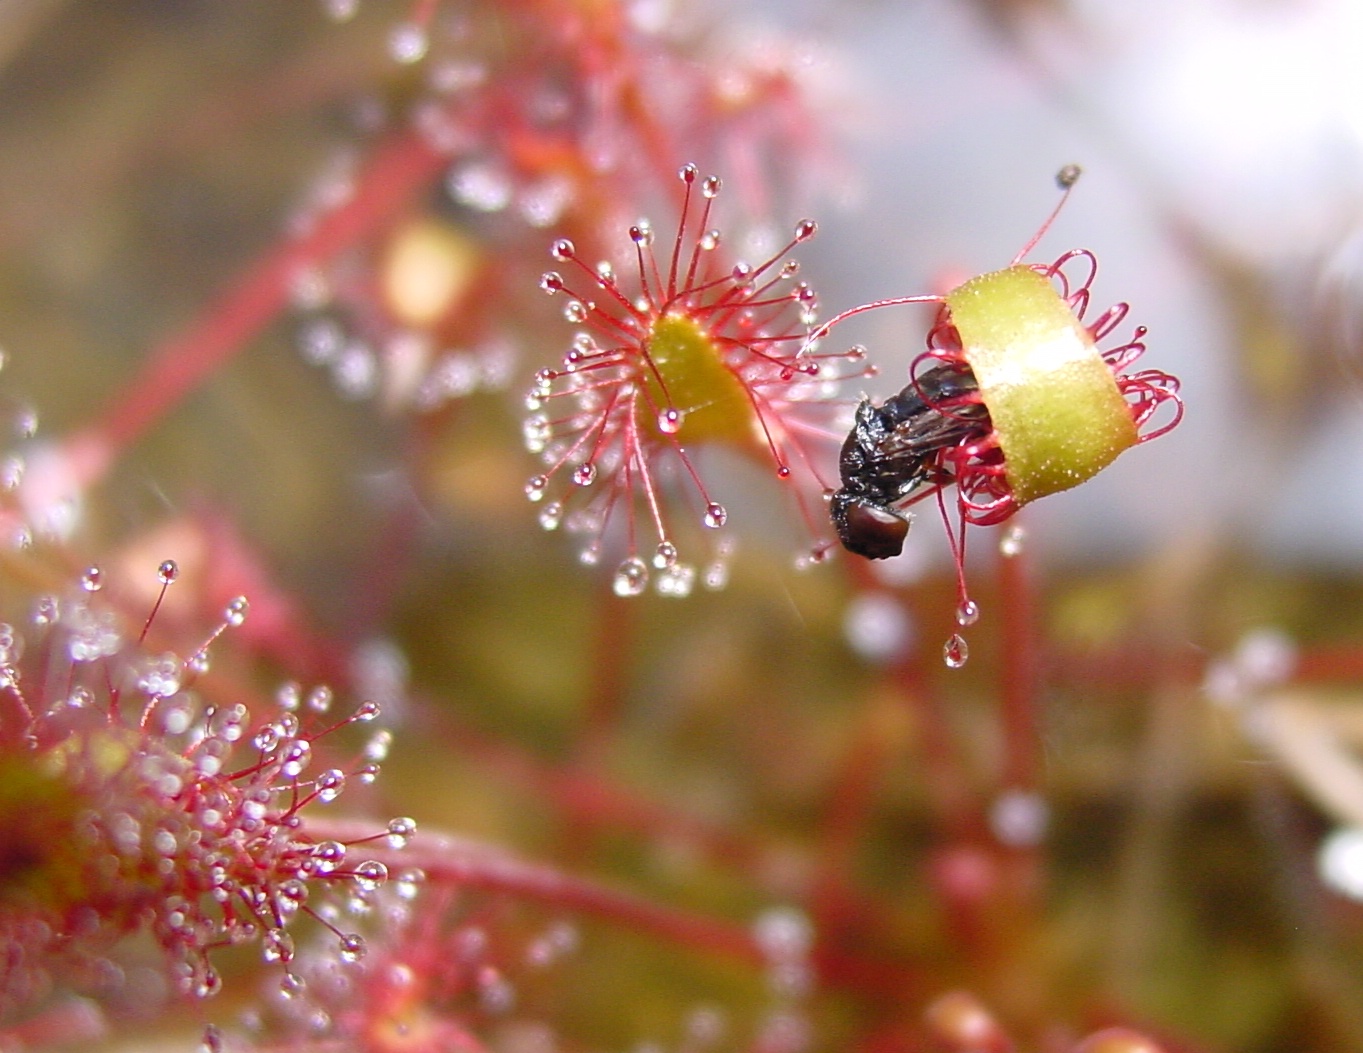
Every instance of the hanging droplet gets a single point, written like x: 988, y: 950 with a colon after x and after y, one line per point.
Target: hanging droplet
x: 967, y: 612
x: 1012, y: 541
x: 631, y: 577
x: 584, y: 474
x: 955, y: 651
x: 715, y: 515
x: 670, y: 421
x: 291, y: 985
x: 92, y: 580
x: 665, y: 555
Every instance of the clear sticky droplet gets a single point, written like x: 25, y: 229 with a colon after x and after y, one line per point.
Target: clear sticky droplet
x: 551, y: 515
x: 955, y: 652
x: 665, y: 555
x: 968, y: 612
x: 291, y: 985
x: 408, y: 43
x: 330, y: 784
x: 677, y: 580
x: 670, y: 421
x: 168, y: 572
x: 715, y: 516
x: 92, y: 580
x: 1012, y: 541
x: 536, y: 487
x: 631, y: 577
x: 584, y: 474
x: 400, y: 831
x: 236, y: 611
x: 370, y: 874
x: 367, y: 711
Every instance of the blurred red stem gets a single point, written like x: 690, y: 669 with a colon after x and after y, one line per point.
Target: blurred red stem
x: 464, y: 863
x: 1019, y: 687
x: 400, y: 167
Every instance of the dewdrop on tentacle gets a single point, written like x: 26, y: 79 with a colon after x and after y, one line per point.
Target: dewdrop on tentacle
x: 1013, y: 400
x: 695, y: 350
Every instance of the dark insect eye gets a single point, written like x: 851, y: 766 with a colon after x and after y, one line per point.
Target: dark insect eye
x: 871, y: 531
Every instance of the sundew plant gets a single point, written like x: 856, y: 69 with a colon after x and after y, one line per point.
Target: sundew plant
x: 472, y: 489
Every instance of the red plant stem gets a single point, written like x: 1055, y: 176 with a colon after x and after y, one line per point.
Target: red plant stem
x: 596, y: 803
x: 843, y: 831
x: 464, y: 863
x: 942, y: 761
x: 1339, y: 663
x: 605, y: 698
x: 943, y: 764
x: 399, y: 168
x: 1020, y: 672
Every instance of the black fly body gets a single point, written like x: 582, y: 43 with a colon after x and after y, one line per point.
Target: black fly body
x: 892, y: 451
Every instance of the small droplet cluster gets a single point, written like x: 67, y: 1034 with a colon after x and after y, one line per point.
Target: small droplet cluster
x: 167, y: 809
x: 431, y: 971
